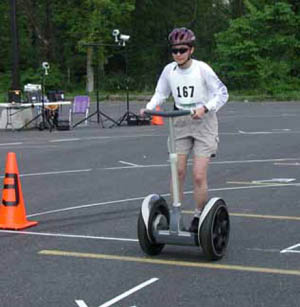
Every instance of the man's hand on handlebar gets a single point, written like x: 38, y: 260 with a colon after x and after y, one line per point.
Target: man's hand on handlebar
x: 198, y: 113
x: 142, y: 112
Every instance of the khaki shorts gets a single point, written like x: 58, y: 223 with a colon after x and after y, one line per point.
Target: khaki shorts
x: 197, y: 136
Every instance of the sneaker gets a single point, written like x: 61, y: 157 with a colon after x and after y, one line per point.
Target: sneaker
x: 194, y: 225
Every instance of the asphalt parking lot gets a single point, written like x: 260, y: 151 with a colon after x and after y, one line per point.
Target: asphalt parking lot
x: 85, y: 188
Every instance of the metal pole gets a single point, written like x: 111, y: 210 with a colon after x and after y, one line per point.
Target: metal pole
x: 173, y: 161
x: 15, y: 85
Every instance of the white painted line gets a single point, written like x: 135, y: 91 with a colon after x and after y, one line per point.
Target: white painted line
x: 255, y: 161
x: 54, y: 173
x: 122, y: 136
x: 125, y: 167
x: 288, y: 164
x: 129, y: 292
x: 57, y: 172
x: 263, y: 250
x: 104, y: 137
x: 254, y: 187
x: 164, y: 195
x: 291, y: 249
x: 292, y: 252
x: 279, y: 180
x: 86, y: 206
x: 147, y: 166
x: 64, y: 140
x: 279, y: 130
x: 215, y: 162
x: 97, y: 137
x: 128, y: 163
x: 255, y: 132
x: 11, y: 144
x: 63, y: 235
x: 81, y: 303
x: 274, y: 131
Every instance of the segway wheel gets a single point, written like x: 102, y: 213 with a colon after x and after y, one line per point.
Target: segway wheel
x: 214, y: 232
x: 158, y: 220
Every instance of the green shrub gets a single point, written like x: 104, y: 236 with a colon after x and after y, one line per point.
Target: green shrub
x: 260, y: 50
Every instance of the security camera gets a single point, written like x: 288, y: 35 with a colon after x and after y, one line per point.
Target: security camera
x: 121, y: 39
x: 115, y: 32
x: 45, y: 65
x: 124, y: 37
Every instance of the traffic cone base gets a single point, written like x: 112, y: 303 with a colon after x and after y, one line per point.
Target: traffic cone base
x: 14, y: 226
x: 12, y: 208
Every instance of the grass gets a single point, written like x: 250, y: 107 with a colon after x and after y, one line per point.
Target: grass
x: 261, y: 97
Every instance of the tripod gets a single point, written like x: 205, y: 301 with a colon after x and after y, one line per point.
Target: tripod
x: 128, y: 113
x: 97, y: 112
x: 42, y: 124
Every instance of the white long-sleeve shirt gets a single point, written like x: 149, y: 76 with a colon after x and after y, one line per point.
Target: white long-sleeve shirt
x: 193, y: 87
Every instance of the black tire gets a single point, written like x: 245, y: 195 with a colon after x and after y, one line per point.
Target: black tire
x: 214, y: 232
x: 159, y: 210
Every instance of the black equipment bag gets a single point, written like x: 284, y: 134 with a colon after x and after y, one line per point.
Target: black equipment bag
x: 63, y: 125
x: 136, y: 120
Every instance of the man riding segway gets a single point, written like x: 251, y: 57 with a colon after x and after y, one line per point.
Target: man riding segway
x: 195, y: 87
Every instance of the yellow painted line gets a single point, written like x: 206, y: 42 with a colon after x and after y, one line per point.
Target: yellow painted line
x: 213, y: 266
x: 261, y: 216
x: 258, y: 216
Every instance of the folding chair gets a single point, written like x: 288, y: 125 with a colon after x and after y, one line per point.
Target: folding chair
x: 81, y: 105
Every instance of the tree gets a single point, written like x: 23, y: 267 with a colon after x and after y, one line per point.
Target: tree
x: 100, y: 18
x: 259, y: 50
x: 153, y: 20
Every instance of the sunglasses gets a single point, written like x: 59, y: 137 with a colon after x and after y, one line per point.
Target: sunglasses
x: 179, y: 50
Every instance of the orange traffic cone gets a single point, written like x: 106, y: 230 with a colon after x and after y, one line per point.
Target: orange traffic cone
x: 157, y: 120
x: 12, y: 208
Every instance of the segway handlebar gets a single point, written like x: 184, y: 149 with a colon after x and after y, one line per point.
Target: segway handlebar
x: 168, y: 113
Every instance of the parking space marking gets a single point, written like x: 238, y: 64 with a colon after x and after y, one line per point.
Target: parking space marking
x: 132, y: 165
x: 292, y: 249
x: 54, y: 173
x: 255, y: 161
x: 88, y: 138
x: 249, y: 182
x: 287, y: 164
x: 211, y: 163
x: 258, y: 216
x: 213, y: 266
x: 129, y: 163
x: 11, y: 144
x: 274, y: 131
x: 119, y: 201
x: 81, y: 303
x: 64, y: 140
x: 64, y: 235
x: 164, y: 195
x: 136, y: 166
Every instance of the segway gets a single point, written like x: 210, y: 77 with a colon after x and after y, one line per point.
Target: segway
x: 158, y: 225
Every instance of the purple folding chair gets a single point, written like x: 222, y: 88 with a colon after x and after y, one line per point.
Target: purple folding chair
x: 81, y: 105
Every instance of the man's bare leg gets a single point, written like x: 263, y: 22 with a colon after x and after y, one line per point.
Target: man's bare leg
x: 200, y: 167
x: 181, y: 171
